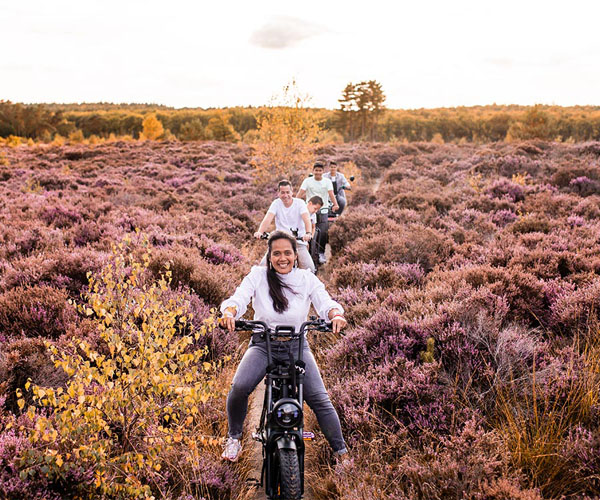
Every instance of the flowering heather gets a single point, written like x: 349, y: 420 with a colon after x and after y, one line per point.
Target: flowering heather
x: 470, y: 272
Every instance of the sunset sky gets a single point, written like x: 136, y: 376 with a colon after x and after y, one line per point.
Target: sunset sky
x: 212, y: 54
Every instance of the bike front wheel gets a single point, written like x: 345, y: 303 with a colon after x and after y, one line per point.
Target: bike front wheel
x: 289, y: 475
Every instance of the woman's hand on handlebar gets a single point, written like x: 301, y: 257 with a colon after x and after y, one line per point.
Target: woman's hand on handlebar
x: 338, y: 322
x: 307, y: 237
x: 228, y: 319
x: 258, y: 235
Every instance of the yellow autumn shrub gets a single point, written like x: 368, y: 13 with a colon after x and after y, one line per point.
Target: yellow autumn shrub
x: 133, y: 398
x: 288, y: 132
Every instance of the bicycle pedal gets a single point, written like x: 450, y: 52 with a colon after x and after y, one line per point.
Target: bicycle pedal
x: 308, y: 436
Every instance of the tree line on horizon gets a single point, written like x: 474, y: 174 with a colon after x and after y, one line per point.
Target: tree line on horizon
x: 361, y: 116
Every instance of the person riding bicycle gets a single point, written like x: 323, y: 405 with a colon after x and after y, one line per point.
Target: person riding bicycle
x: 289, y: 214
x: 340, y: 185
x: 322, y: 187
x: 281, y: 294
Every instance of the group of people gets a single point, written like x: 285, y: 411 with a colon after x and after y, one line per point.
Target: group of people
x: 282, y: 288
x: 303, y: 218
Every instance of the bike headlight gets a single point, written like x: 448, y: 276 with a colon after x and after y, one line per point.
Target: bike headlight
x: 287, y: 413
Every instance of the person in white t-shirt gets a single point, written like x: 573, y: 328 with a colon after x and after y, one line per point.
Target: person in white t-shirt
x: 292, y: 216
x: 317, y: 185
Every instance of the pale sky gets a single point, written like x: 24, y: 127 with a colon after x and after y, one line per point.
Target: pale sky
x: 212, y: 54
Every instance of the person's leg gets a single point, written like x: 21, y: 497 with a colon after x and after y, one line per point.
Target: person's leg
x: 341, y: 199
x: 317, y: 398
x: 304, y: 259
x: 250, y: 372
x: 323, y: 225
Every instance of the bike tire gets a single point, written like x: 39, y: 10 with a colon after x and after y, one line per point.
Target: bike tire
x: 289, y: 474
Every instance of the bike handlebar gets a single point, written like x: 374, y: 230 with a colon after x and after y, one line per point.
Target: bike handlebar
x: 265, y: 236
x: 283, y: 330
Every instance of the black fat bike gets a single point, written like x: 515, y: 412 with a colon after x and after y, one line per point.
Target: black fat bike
x: 281, y: 426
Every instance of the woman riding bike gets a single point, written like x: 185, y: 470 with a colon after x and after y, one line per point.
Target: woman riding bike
x: 281, y: 294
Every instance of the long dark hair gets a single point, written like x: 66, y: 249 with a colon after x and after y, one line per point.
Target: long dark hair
x: 276, y: 285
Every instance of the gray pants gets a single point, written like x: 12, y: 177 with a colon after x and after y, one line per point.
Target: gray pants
x: 252, y: 370
x: 341, y: 199
x: 304, y: 259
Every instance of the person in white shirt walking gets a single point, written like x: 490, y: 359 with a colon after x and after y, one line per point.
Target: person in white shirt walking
x: 281, y: 294
x: 290, y: 215
x: 317, y: 185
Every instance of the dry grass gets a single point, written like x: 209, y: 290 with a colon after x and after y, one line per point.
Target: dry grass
x: 536, y: 421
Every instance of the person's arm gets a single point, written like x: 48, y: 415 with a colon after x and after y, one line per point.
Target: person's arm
x: 336, y: 207
x: 302, y: 191
x: 265, y: 224
x: 326, y: 307
x: 345, y: 183
x: 307, y: 226
x: 235, y: 306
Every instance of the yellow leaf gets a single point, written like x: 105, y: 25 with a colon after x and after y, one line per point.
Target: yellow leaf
x: 88, y: 311
x: 59, y: 460
x: 207, y: 366
x: 81, y: 399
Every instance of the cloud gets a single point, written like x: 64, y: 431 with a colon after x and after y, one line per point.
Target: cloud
x: 282, y: 32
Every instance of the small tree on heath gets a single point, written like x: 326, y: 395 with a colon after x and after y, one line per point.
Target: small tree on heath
x: 287, y: 134
x: 152, y: 128
x: 132, y: 400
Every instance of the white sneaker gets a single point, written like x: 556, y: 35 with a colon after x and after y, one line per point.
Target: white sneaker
x: 322, y: 258
x: 233, y: 448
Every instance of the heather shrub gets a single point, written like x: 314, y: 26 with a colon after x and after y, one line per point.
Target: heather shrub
x: 86, y: 233
x: 60, y: 216
x: 211, y: 282
x: 362, y: 195
x: 531, y: 224
x: 359, y: 222
x: 359, y: 303
x: 584, y: 186
x: 503, y: 188
x: 471, y: 461
x: 503, y: 217
x: 416, y: 244
x: 359, y: 276
x: 565, y: 174
x: 572, y: 311
x: 26, y: 359
x: 62, y: 269
x: 385, y: 336
x: 400, y: 393
x: 35, y: 311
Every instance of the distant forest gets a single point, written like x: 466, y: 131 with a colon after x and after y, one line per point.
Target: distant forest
x: 43, y: 122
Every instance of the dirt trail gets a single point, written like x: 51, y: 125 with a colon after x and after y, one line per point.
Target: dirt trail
x: 252, y: 448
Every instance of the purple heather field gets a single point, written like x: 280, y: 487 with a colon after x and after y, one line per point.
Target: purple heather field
x: 470, y: 275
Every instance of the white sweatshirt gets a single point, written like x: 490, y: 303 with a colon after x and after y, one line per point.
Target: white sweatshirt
x: 307, y: 287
